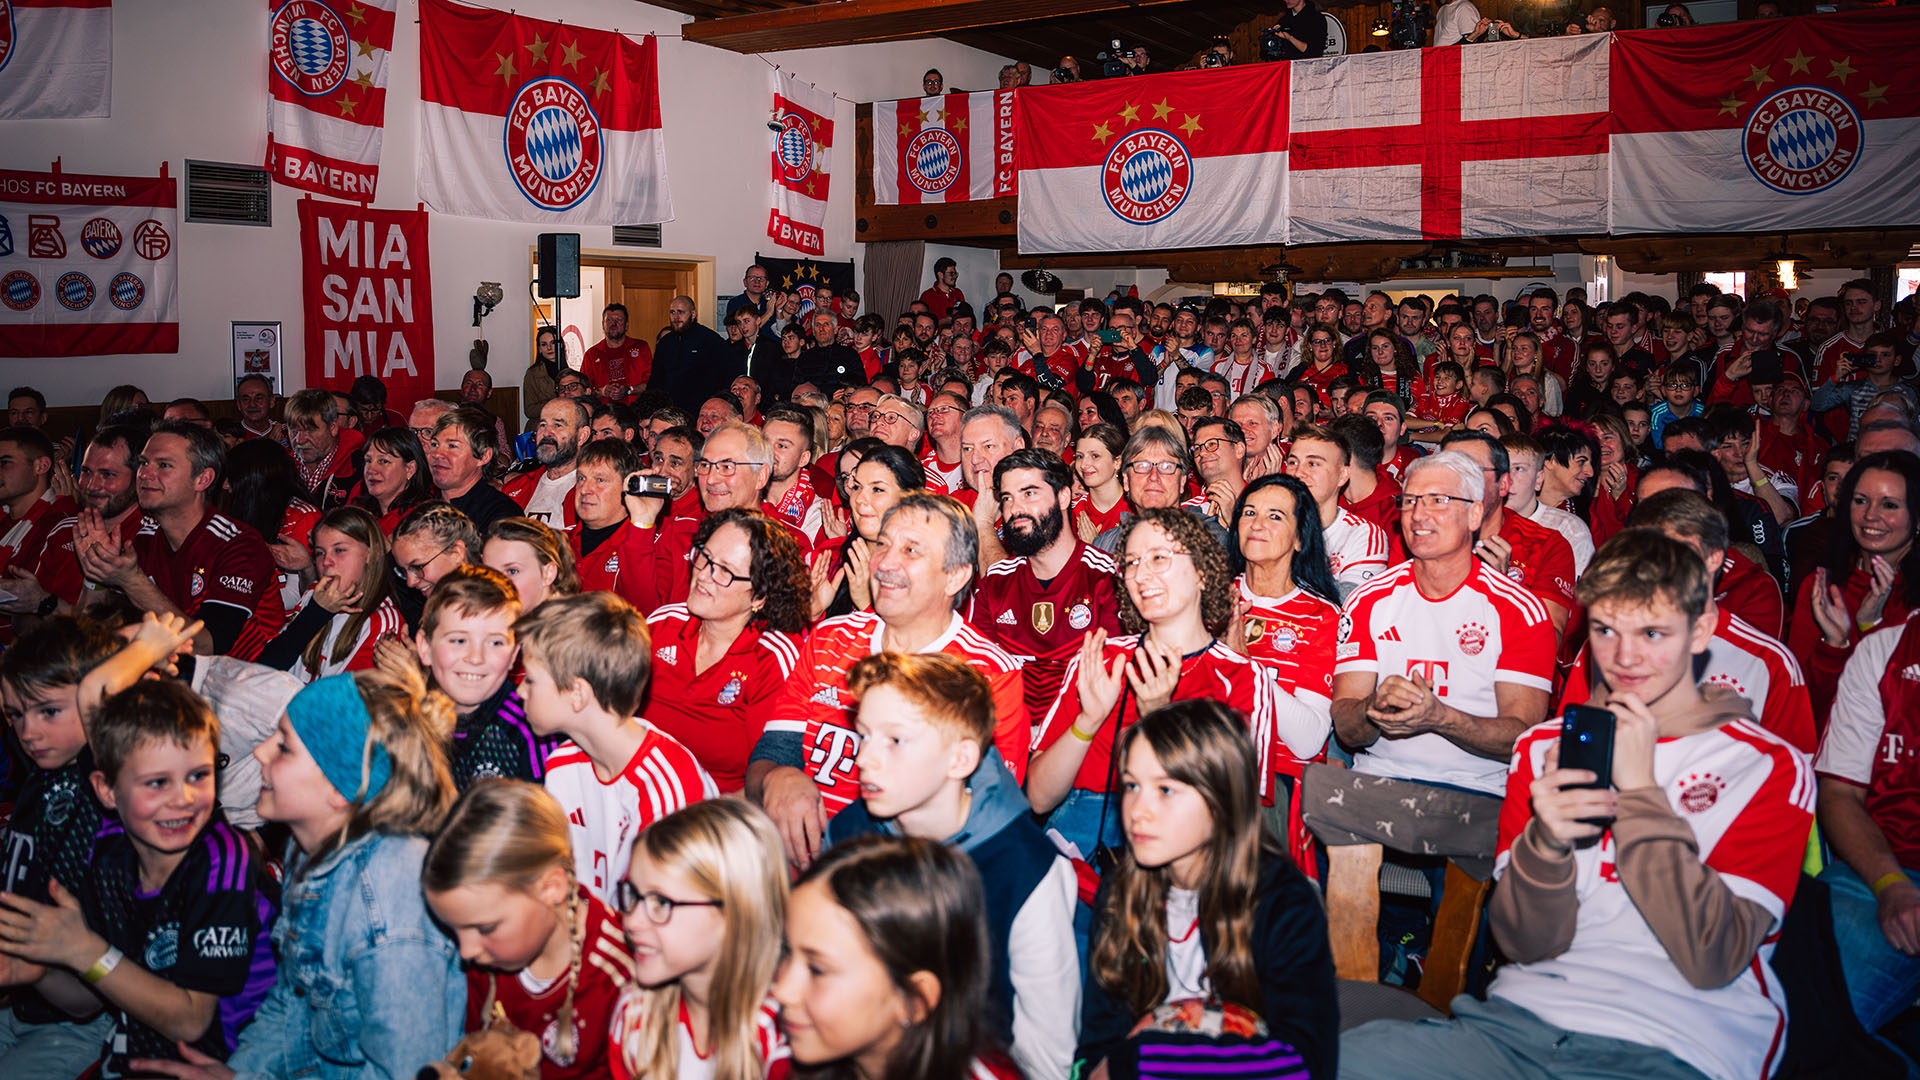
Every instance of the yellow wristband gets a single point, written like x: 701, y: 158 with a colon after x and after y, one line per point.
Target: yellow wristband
x: 1074, y: 730
x: 1887, y: 881
x: 104, y: 966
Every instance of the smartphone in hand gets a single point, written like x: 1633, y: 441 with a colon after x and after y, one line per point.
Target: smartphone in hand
x: 1586, y: 742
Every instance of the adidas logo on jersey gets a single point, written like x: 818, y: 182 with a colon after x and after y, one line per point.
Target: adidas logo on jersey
x: 1392, y: 633
x: 827, y: 696
x: 667, y: 654
x: 1911, y: 671
x: 1006, y: 619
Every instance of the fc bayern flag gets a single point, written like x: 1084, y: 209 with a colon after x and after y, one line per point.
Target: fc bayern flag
x: 947, y: 148
x: 527, y: 120
x: 1802, y: 123
x: 56, y: 58
x: 1500, y: 139
x: 88, y: 265
x: 802, y: 147
x: 327, y: 75
x: 1188, y: 159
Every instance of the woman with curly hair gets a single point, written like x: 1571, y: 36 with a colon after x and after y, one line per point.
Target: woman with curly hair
x: 1176, y: 598
x: 721, y: 657
x: 1387, y: 363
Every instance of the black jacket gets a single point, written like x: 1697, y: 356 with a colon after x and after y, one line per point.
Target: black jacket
x: 1299, y: 1002
x: 691, y: 366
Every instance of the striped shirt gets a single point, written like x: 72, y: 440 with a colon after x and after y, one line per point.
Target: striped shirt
x: 604, y: 816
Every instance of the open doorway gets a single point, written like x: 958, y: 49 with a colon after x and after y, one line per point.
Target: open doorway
x: 645, y: 284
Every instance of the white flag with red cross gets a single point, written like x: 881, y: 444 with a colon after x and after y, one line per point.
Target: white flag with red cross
x: 1501, y: 139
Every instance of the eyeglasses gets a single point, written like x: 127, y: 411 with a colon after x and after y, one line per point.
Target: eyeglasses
x: 703, y: 564
x: 1164, y: 468
x: 865, y: 406
x: 1432, y: 502
x: 1157, y: 562
x: 409, y: 571
x: 659, y: 909
x: 1214, y: 446
x: 723, y: 467
x: 942, y: 410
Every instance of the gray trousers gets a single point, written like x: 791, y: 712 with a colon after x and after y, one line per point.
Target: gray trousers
x: 1495, y: 1038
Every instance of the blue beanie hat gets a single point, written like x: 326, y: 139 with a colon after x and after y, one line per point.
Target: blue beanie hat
x: 331, y: 719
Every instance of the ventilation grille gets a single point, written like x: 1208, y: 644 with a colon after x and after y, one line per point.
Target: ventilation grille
x: 224, y: 194
x: 637, y: 235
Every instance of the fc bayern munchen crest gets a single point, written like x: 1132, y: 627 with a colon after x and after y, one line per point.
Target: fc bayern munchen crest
x: 101, y: 238
x: 1802, y: 139
x: 933, y: 160
x: 74, y: 290
x: 795, y: 148
x: 1146, y: 176
x: 126, y: 291
x: 19, y: 290
x: 553, y: 143
x: 6, y: 27
x: 309, y: 47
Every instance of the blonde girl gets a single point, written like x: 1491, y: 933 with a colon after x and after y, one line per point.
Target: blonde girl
x: 538, y: 560
x: 704, y: 902
x: 1204, y: 903
x: 543, y: 950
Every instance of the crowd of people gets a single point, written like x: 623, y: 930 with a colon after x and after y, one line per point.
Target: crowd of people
x: 980, y: 692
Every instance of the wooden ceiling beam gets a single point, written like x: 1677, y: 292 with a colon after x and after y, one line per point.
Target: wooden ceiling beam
x: 849, y: 22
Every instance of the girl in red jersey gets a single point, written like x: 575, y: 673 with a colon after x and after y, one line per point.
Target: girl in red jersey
x: 1616, y: 479
x: 1096, y: 461
x: 338, y: 622
x: 705, y: 900
x: 887, y: 965
x: 1287, y: 610
x: 1871, y: 574
x: 394, y: 479
x: 499, y: 876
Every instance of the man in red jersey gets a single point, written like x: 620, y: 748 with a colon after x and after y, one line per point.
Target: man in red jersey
x: 33, y: 510
x: 1051, y: 590
x: 803, y: 769
x: 1860, y: 316
x: 619, y: 365
x: 1533, y: 555
x: 188, y: 559
x: 105, y: 486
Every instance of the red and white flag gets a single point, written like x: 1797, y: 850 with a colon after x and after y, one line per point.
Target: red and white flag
x: 947, y: 148
x: 1499, y: 139
x: 1803, y: 123
x: 1187, y: 159
x: 802, y: 148
x: 87, y: 264
x: 527, y: 120
x: 327, y: 77
x: 56, y: 58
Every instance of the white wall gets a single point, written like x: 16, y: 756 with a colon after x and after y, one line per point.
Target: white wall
x: 190, y: 81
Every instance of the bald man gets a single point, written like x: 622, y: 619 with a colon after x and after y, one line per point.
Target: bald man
x: 692, y: 363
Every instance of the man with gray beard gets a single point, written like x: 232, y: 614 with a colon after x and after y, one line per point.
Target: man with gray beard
x: 545, y: 494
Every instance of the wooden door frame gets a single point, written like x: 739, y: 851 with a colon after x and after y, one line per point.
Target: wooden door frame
x: 704, y: 291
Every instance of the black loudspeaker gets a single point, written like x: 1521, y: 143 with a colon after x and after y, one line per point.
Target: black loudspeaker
x: 559, y: 264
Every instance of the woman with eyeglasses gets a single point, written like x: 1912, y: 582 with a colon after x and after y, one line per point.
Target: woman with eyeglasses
x: 1321, y: 362
x: 395, y: 479
x: 719, y: 658
x: 840, y: 566
x: 1176, y: 601
x: 1287, y: 618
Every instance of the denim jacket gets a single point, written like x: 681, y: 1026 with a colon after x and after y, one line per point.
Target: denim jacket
x: 368, y: 987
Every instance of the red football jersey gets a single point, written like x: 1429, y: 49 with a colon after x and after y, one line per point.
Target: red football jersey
x: 1873, y: 740
x: 24, y: 539
x: 816, y: 706
x: 716, y: 713
x: 1827, y: 357
x: 1747, y: 590
x: 1542, y: 560
x: 605, y: 967
x: 1395, y: 467
x: 221, y: 562
x: 1320, y: 378
x: 1043, y: 623
x: 59, y: 569
x: 943, y: 477
x: 1441, y: 408
x: 630, y: 365
x: 1111, y: 518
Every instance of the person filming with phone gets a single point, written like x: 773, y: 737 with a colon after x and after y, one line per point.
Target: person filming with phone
x: 1649, y: 847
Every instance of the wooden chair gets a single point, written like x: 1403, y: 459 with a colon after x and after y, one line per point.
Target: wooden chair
x: 1353, y: 917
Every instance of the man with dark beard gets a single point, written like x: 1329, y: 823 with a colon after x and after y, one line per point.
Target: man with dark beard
x: 546, y: 493
x: 1040, y: 603
x: 691, y: 363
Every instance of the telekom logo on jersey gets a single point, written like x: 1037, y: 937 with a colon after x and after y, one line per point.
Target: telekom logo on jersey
x: 1434, y: 671
x: 833, y: 751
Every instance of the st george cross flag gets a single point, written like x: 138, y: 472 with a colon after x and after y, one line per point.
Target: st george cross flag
x: 948, y: 148
x: 1187, y: 159
x: 1499, y: 139
x: 527, y: 120
x: 1803, y: 123
x: 327, y: 74
x: 798, y: 160
x: 88, y: 265
x: 56, y: 58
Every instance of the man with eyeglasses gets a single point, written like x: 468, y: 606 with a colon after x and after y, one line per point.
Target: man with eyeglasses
x: 896, y: 422
x: 803, y: 770
x: 1153, y: 470
x: 861, y: 402
x: 941, y: 459
x: 1357, y: 549
x: 733, y: 471
x: 1442, y: 662
x: 753, y: 293
x: 1533, y: 555
x: 1219, y: 458
x: 988, y: 434
x: 426, y: 415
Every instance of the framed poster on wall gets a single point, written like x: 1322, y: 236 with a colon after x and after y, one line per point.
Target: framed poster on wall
x: 256, y: 351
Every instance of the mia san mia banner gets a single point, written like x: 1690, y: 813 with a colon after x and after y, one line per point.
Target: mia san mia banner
x: 527, y: 120
x: 366, y: 290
